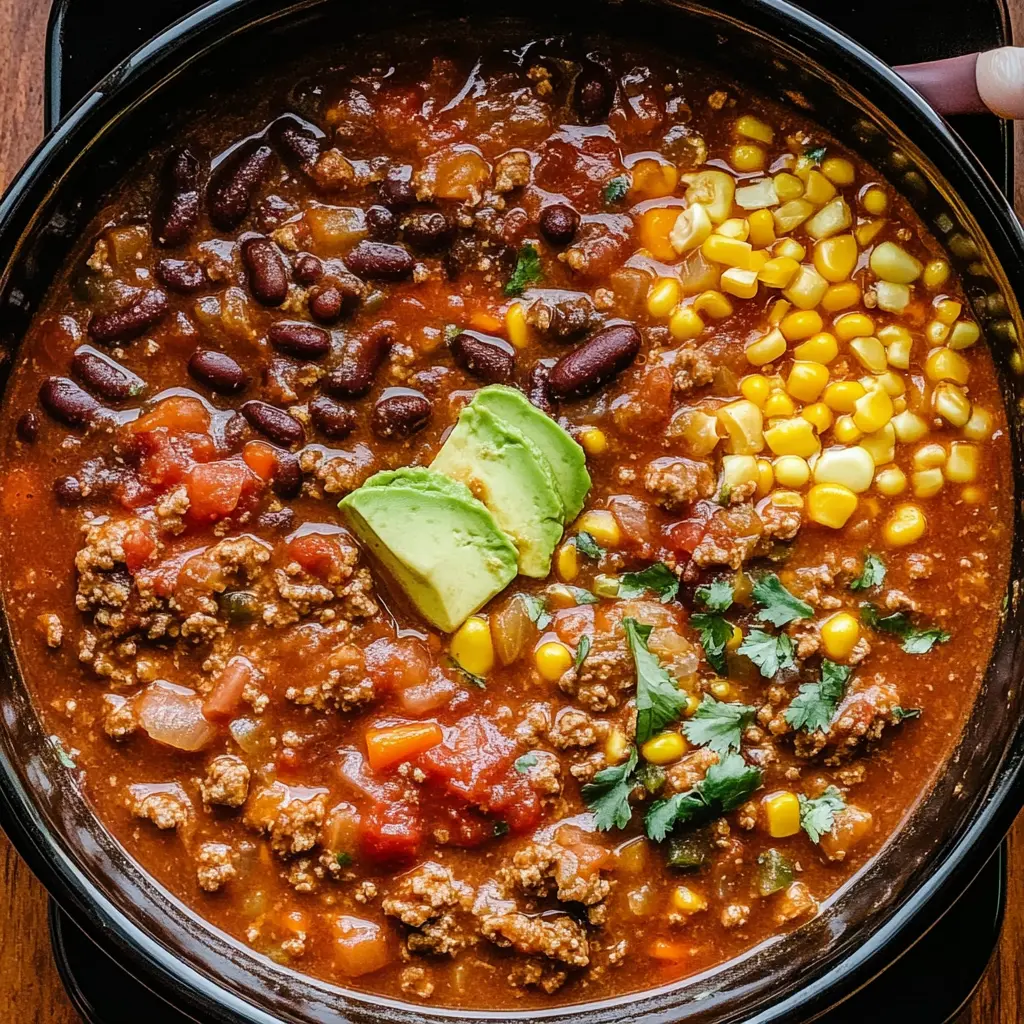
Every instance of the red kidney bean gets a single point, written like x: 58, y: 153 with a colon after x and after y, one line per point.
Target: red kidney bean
x: 234, y: 183
x: 65, y: 401
x: 298, y: 339
x: 235, y: 432
x: 399, y: 413
x: 67, y: 490
x: 360, y: 360
x: 299, y: 142
x: 598, y: 360
x: 326, y: 304
x: 379, y: 260
x: 106, y: 378
x: 27, y: 427
x: 428, y: 231
x: 307, y: 268
x: 381, y: 224
x: 537, y: 387
x: 275, y: 424
x: 484, y: 357
x: 219, y: 372
x: 593, y: 92
x: 185, y: 276
x: 268, y: 275
x: 396, y: 190
x: 559, y: 223
x: 287, y: 479
x: 130, y: 321
x: 331, y: 418
x: 177, y: 208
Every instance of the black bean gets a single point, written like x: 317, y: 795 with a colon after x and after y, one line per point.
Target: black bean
x: 559, y: 223
x: 326, y: 304
x: 177, y: 208
x: 379, y: 260
x: 235, y: 182
x: 239, y: 606
x: 67, y: 490
x: 490, y: 359
x: 298, y: 339
x: 27, y: 427
x: 598, y: 360
x: 381, y: 224
x: 104, y: 377
x: 185, y: 276
x: 287, y: 479
x: 130, y: 321
x: 360, y: 360
x: 275, y: 424
x: 219, y: 372
x: 593, y: 93
x: 331, y: 418
x: 399, y: 413
x: 396, y: 190
x: 307, y: 268
x: 268, y: 275
x: 298, y: 141
x: 537, y: 387
x: 64, y: 400
x: 428, y: 231
x: 282, y: 520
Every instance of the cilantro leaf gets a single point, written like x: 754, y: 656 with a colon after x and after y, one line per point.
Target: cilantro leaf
x: 903, y: 714
x: 616, y: 189
x: 724, y: 495
x: 726, y: 785
x: 474, y: 680
x: 586, y: 545
x: 815, y: 153
x: 817, y: 815
x: 658, y: 700
x: 717, y: 595
x: 813, y: 707
x: 524, y: 762
x: 527, y: 270
x: 715, y: 633
x: 451, y: 331
x: 582, y: 650
x: 608, y: 794
x: 916, y: 639
x: 658, y: 578
x: 779, y: 606
x: 718, y: 725
x: 579, y: 595
x: 872, y: 575
x: 769, y: 653
x: 343, y: 859
x: 537, y: 609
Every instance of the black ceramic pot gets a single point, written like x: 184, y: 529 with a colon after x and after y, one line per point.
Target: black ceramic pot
x: 780, y: 51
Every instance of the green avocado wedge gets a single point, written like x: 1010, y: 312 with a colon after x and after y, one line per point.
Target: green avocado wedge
x: 440, y: 544
x: 567, y: 459
x: 507, y: 472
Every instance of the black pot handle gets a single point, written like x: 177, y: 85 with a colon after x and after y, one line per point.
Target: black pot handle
x: 973, y: 83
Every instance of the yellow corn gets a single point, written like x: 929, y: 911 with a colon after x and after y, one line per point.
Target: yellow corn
x: 875, y: 202
x: 751, y: 127
x: 791, y: 215
x: 979, y: 425
x: 745, y: 156
x: 962, y: 465
x: 714, y: 304
x: 945, y: 364
x: 652, y: 179
x: 890, y: 297
x: 842, y: 395
x: 685, y: 323
x: 891, y: 383
x: 663, y: 296
x: 730, y: 251
x: 765, y: 482
x: 712, y: 189
x: 738, y: 470
x: 831, y: 505
x: 762, y: 229
x: 972, y: 495
x: 830, y: 220
x: 852, y: 467
x: 602, y: 526
x: 928, y: 456
x: 791, y: 470
x: 553, y: 660
x: 778, y: 404
x: 936, y: 332
x: 806, y: 381
x: 839, y: 635
x: 790, y: 248
x: 949, y: 402
x: 891, y: 481
x: 793, y: 436
x: 788, y: 186
x: 741, y: 283
x: 782, y: 814
x: 819, y: 415
x: 838, y: 170
x: 800, y: 325
x: 854, y: 325
x: 472, y: 646
x: 963, y: 335
x: 936, y: 273
x: 846, y: 431
x: 567, y: 562
x: 686, y: 901
x: 891, y: 263
x: 691, y: 228
x: 734, y: 227
x: 835, y: 258
x: 905, y: 526
x: 867, y: 232
x: 616, y: 746
x: 722, y: 688
x: 840, y: 296
x: 767, y: 349
x: 778, y: 271
x: 594, y: 440
x: 778, y: 309
x: 516, y: 327
x: 820, y: 348
x: 818, y: 189
x: 947, y: 310
x: 806, y: 289
x: 897, y: 352
x: 909, y: 426
x: 743, y: 424
x: 926, y: 483
x: 755, y: 387
x: 881, y: 445
x: 870, y: 354
x: 872, y: 411
x: 664, y: 748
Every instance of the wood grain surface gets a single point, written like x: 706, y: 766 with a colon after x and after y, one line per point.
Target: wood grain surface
x: 30, y: 990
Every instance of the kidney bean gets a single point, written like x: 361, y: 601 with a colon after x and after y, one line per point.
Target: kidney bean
x: 593, y: 92
x: 130, y: 321
x: 331, y: 417
x: 27, y: 427
x: 489, y: 359
x: 298, y: 339
x: 234, y: 183
x: 559, y: 223
x: 307, y: 268
x: 381, y: 224
x: 185, y: 276
x: 361, y: 358
x: 396, y: 190
x: 282, y: 520
x: 219, y: 372
x: 268, y: 275
x: 326, y: 304
x: 65, y: 401
x: 67, y: 490
x: 428, y: 231
x: 399, y: 413
x: 287, y: 480
x: 298, y: 141
x: 598, y: 360
x: 537, y: 386
x: 379, y: 260
x: 101, y: 375
x: 177, y: 208
x: 235, y: 432
x: 275, y: 424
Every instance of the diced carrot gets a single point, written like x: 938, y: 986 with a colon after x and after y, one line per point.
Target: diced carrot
x: 261, y: 458
x: 397, y: 743
x: 360, y: 947
x: 178, y: 413
x: 223, y: 700
x: 655, y: 225
x: 663, y: 949
x: 214, y: 489
x: 481, y: 320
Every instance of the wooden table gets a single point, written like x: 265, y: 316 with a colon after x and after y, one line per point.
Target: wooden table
x: 30, y: 990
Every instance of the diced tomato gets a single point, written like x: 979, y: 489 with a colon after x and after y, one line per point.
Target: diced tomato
x: 179, y: 413
x: 683, y: 537
x: 139, y: 545
x: 222, y: 701
x: 390, y: 832
x: 422, y: 698
x: 319, y: 555
x: 590, y: 855
x: 397, y: 664
x: 647, y: 403
x: 466, y: 826
x: 167, y: 457
x: 261, y: 458
x: 214, y: 489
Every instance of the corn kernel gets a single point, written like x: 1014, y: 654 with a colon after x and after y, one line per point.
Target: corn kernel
x: 835, y: 258
x: 567, y: 562
x: 963, y: 335
x: 846, y: 431
x: 926, y: 483
x: 898, y: 351
x: 927, y: 456
x: 905, y: 526
x: 936, y: 332
x: 738, y: 470
x: 762, y: 228
x: 755, y: 387
x: 743, y: 424
x: 889, y: 262
x: 872, y: 411
x: 767, y: 349
x: 800, y: 325
x: 870, y: 354
x: 875, y: 202
x: 891, y: 481
x: 602, y: 526
x: 781, y: 814
x: 745, y: 156
x: 890, y: 297
x: 732, y: 644
x: 840, y: 296
x: 721, y: 688
x: 962, y: 465
x: 730, y: 251
x: 839, y: 635
x: 936, y: 273
x: 820, y: 348
x: 652, y: 179
x: 806, y: 289
x: 553, y: 660
x: 947, y: 310
x: 867, y: 232
x: 778, y: 271
x: 714, y: 304
x: 751, y: 127
x: 741, y: 283
x: 842, y: 395
x: 838, y: 170
x: 806, y: 381
x: 830, y: 505
x: 830, y: 220
x: 734, y: 227
x: 757, y: 259
x: 616, y: 746
x: 979, y: 426
x: 972, y: 495
x: 852, y: 467
x: 790, y: 248
x: 472, y: 646
x: 685, y: 323
x: 854, y: 325
x: 686, y: 901
x: 788, y: 186
x: 663, y: 296
x: 819, y: 415
x: 791, y: 470
x: 791, y: 215
x: 765, y: 477
x: 594, y: 440
x: 691, y: 229
x: 778, y: 309
x: 714, y: 190
x: 778, y: 404
x: 881, y: 445
x: 516, y: 327
x: 664, y: 748
x: 818, y: 189
x: 909, y: 427
x: 793, y: 436
x: 892, y: 383
x: 949, y: 402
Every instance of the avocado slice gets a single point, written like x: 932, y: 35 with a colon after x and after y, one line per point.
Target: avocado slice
x: 440, y: 544
x: 567, y: 459
x: 510, y: 475
x: 420, y: 478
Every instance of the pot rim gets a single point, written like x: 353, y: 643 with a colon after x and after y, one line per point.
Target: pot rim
x: 21, y: 819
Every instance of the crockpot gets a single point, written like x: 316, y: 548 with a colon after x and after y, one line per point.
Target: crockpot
x: 778, y: 50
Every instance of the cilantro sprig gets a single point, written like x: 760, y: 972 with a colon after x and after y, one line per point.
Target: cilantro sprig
x: 815, y: 704
x: 524, y: 762
x: 527, y: 270
x: 582, y: 650
x: 778, y: 605
x: 916, y: 639
x: 608, y: 794
x: 718, y: 724
x: 586, y: 545
x: 872, y: 575
x: 715, y: 632
x: 537, y: 609
x: 658, y: 700
x: 817, y: 814
x: 905, y: 714
x: 658, y: 578
x: 815, y: 153
x: 717, y: 596
x: 616, y: 189
x: 768, y: 652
